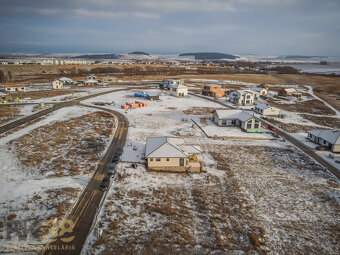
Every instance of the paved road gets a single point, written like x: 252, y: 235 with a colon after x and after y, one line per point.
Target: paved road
x: 58, y: 106
x: 88, y: 204
x: 307, y: 150
x: 291, y: 139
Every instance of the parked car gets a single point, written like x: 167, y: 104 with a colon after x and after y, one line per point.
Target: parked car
x: 116, y: 158
x: 105, y: 183
x: 119, y: 150
x: 270, y: 127
x: 321, y: 147
x: 111, y: 169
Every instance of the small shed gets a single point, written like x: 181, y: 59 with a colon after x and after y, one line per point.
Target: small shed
x: 153, y: 96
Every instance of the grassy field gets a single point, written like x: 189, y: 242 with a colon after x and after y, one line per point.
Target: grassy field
x: 43, y: 94
x: 8, y: 113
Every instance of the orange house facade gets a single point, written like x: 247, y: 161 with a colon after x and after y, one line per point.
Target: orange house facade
x: 213, y: 91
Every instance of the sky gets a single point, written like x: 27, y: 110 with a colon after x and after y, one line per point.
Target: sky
x: 261, y: 27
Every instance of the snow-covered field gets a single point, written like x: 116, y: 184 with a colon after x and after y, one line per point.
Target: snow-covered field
x: 86, y: 91
x: 13, y: 112
x: 252, y: 196
x: 45, y: 166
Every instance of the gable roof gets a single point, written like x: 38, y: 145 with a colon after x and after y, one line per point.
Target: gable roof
x: 165, y: 147
x: 263, y: 106
x: 243, y: 92
x: 256, y: 89
x: 192, y: 149
x: 64, y: 79
x: 14, y: 86
x: 291, y: 90
x: 90, y: 81
x: 331, y: 136
x: 234, y: 114
x: 178, y: 86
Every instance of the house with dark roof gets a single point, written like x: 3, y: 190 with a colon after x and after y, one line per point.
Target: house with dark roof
x: 171, y: 154
x: 325, y: 137
x: 237, y: 118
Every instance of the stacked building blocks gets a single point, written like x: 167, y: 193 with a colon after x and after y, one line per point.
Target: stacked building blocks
x: 130, y: 105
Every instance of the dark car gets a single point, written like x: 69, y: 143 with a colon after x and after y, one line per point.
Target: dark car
x: 111, y: 169
x: 321, y: 147
x: 270, y: 127
x: 116, y: 158
x: 105, y: 183
x: 119, y: 150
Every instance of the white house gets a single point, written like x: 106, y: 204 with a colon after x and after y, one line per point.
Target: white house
x: 15, y: 88
x: 179, y: 90
x: 169, y: 82
x: 91, y: 81
x: 326, y: 137
x: 242, y: 97
x: 65, y: 80
x: 238, y: 118
x: 57, y: 84
x: 267, y: 110
x: 259, y: 92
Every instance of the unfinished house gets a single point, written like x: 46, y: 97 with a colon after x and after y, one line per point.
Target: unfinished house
x: 171, y: 154
x: 267, y: 110
x: 242, y: 97
x: 325, y: 137
x: 237, y: 118
x: 179, y: 90
x: 286, y: 92
x: 213, y: 91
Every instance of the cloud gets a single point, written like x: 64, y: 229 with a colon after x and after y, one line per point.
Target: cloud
x: 84, y: 13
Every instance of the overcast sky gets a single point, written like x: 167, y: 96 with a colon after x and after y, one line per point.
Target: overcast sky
x: 264, y: 27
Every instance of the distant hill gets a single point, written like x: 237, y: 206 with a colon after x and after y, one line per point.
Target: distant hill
x: 300, y: 57
x: 139, y: 53
x: 209, y: 55
x: 98, y: 56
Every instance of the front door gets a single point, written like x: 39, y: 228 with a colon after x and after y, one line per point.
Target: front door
x: 181, y: 161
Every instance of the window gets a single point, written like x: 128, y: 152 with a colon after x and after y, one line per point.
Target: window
x: 158, y: 159
x: 249, y: 125
x: 257, y: 124
x: 248, y: 96
x: 324, y: 142
x: 151, y: 159
x: 233, y: 122
x: 167, y: 159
